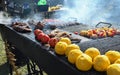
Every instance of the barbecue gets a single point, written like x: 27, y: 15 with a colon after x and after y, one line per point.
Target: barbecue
x: 59, y: 31
x: 61, y: 46
x: 109, y: 43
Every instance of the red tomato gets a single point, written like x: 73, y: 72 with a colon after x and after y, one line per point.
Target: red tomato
x: 40, y: 36
x: 37, y: 31
x: 110, y: 34
x: 76, y: 33
x: 45, y: 38
x: 52, y: 42
x: 114, y: 31
x: 94, y: 31
x: 100, y: 34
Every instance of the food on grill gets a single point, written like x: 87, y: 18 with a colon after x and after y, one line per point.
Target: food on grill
x: 101, y: 63
x: 37, y: 31
x: 99, y: 32
x: 71, y: 47
x: 110, y: 34
x: 94, y: 36
x: 51, y: 35
x: 112, y: 55
x: 83, y: 32
x: 102, y: 34
x: 56, y: 23
x: 58, y: 34
x: 73, y: 54
x: 45, y: 39
x: 84, y: 62
x: 66, y: 40
x: 113, y: 69
x: 40, y: 36
x: 92, y: 52
x: 89, y: 33
x: 39, y: 25
x: 60, y: 48
x: 63, y: 34
x: 76, y: 33
x: 117, y: 61
x: 52, y: 23
x: 21, y: 27
x: 52, y: 42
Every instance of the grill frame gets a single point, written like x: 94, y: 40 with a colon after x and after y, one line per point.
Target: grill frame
x: 46, y: 58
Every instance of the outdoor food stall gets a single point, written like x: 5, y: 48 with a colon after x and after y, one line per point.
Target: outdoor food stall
x: 62, y: 47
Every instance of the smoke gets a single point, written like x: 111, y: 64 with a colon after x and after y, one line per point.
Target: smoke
x: 36, y: 17
x: 4, y: 19
x: 92, y: 11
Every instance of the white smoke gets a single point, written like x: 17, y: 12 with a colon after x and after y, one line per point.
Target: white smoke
x: 93, y: 11
x: 4, y: 19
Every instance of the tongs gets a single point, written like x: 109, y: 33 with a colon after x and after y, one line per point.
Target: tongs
x: 103, y: 23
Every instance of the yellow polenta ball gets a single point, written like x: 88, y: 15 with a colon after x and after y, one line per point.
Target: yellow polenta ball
x: 112, y: 55
x: 92, y: 52
x: 113, y: 69
x: 73, y: 54
x: 71, y: 47
x: 60, y: 48
x: 117, y: 61
x: 84, y: 62
x: 101, y: 62
x: 67, y: 40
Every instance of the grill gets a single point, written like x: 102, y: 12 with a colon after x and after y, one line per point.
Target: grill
x: 44, y: 57
x: 37, y: 52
